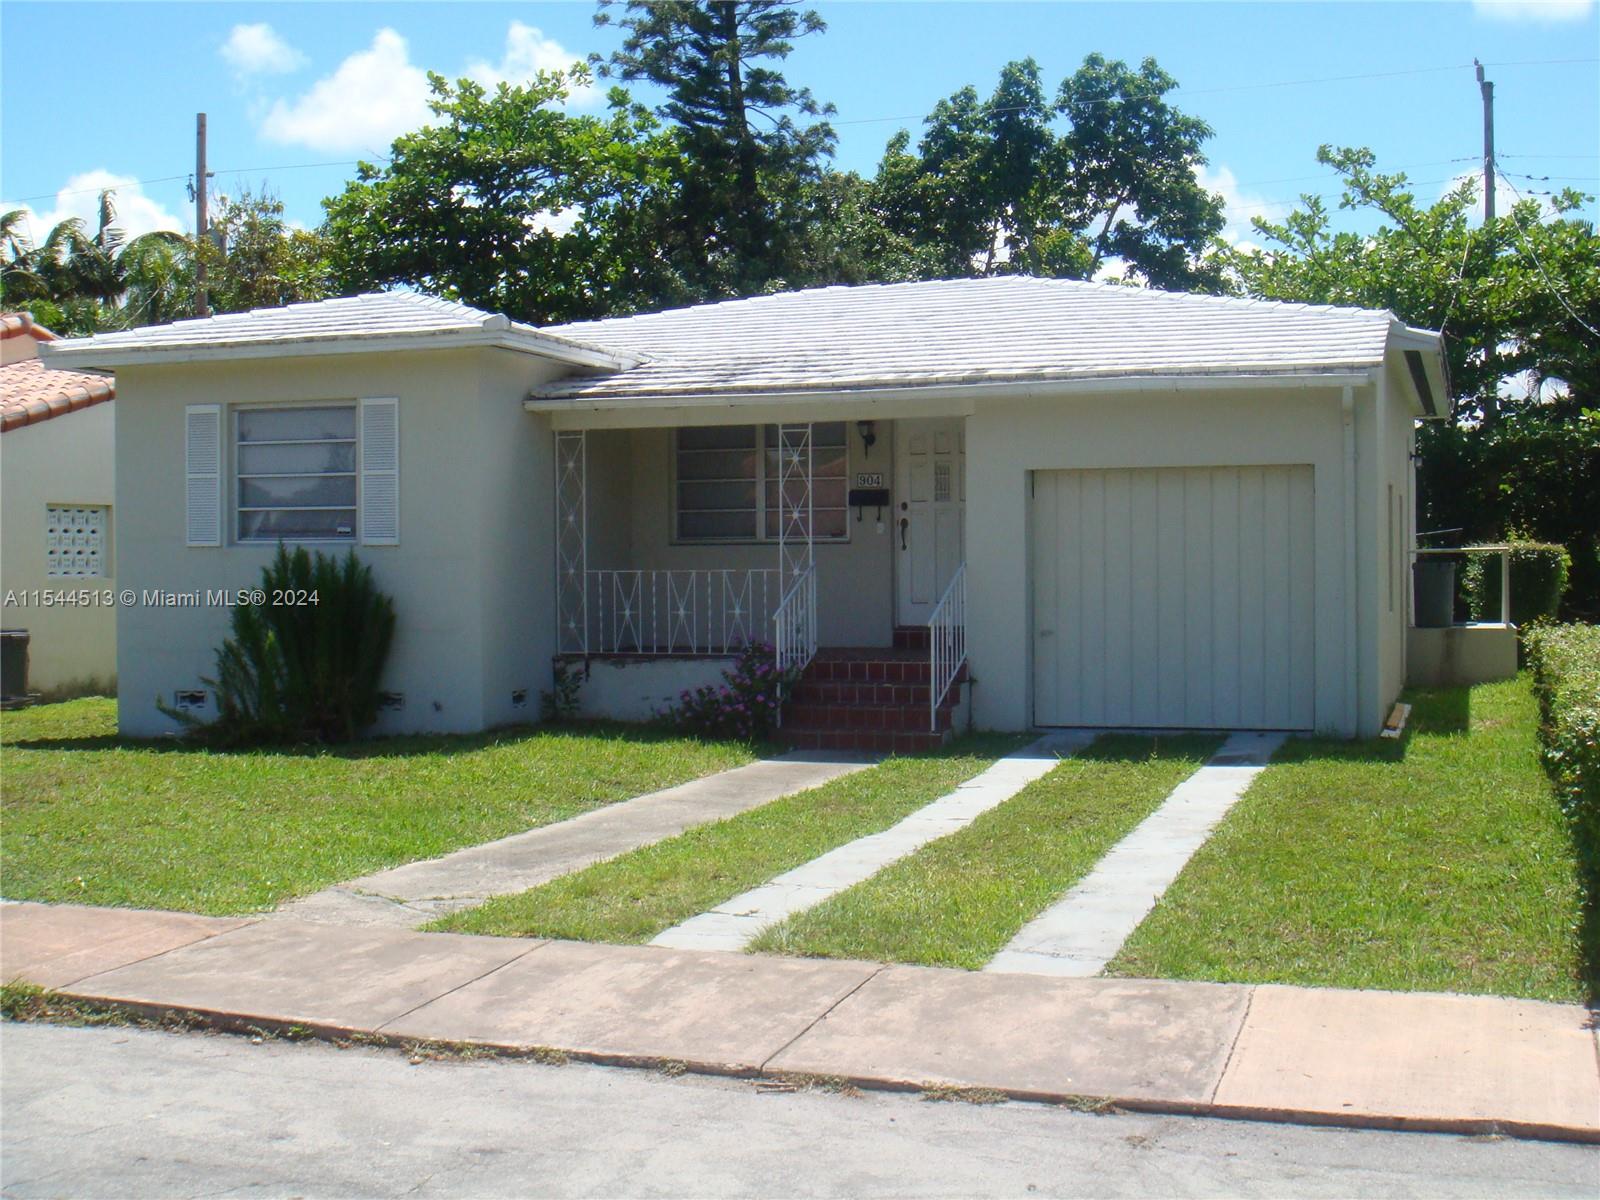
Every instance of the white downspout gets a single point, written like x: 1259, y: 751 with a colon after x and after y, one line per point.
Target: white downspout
x: 1352, y: 658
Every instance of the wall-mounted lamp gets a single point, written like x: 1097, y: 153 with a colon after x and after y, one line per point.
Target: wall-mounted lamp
x: 869, y: 434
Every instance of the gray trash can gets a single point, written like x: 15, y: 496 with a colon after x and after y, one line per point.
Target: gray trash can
x: 1433, y: 583
x: 13, y: 664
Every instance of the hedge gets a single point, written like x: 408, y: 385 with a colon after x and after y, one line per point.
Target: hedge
x: 1538, y: 579
x: 1566, y: 680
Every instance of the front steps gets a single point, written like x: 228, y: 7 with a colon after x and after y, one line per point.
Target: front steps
x: 869, y: 698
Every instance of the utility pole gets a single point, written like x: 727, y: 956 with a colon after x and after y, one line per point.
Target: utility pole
x: 202, y: 232
x: 1486, y: 89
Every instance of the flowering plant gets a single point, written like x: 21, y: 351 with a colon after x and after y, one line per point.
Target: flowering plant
x: 744, y: 706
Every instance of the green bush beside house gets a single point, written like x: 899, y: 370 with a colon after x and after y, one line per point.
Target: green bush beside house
x: 1539, y: 574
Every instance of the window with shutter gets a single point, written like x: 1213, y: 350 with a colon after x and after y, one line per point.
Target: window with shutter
x: 295, y: 472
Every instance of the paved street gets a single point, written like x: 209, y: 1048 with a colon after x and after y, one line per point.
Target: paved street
x: 128, y: 1113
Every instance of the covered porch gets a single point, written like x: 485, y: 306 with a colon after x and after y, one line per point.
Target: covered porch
x: 838, y: 542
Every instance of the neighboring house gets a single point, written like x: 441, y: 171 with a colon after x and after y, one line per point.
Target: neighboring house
x: 56, y: 485
x: 1104, y: 506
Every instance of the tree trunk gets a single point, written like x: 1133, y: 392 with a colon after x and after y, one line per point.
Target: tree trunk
x: 747, y: 202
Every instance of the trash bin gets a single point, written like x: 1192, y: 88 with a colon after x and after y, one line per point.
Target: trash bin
x: 1433, y: 583
x: 13, y: 664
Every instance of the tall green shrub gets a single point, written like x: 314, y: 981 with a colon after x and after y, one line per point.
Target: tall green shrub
x: 1566, y: 681
x: 304, y: 663
x: 1539, y: 573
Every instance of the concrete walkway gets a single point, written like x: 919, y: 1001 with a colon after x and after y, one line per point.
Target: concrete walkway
x: 1082, y: 932
x: 1441, y: 1062
x: 733, y: 924
x: 416, y: 893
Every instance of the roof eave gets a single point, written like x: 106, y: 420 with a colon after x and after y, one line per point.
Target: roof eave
x: 975, y: 390
x: 106, y: 359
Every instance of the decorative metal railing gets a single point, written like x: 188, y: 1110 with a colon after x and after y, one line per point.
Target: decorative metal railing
x: 947, y: 642
x: 714, y: 611
x: 796, y: 622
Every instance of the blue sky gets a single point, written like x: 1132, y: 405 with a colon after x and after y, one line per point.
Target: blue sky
x: 96, y: 94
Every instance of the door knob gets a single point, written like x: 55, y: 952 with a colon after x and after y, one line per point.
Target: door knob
x: 905, y: 524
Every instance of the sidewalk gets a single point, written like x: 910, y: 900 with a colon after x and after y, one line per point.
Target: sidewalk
x: 1391, y: 1060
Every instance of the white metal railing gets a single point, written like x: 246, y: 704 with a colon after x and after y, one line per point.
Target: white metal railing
x: 712, y: 611
x: 947, y: 642
x: 795, y: 621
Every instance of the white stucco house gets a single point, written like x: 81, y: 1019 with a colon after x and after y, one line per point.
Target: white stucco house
x: 57, y: 543
x: 1013, y: 502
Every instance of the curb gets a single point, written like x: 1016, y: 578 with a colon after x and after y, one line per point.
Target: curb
x: 243, y: 1023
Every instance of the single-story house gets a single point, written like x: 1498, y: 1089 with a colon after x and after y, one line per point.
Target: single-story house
x: 1013, y: 502
x: 57, y: 565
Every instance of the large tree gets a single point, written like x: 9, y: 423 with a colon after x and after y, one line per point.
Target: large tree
x: 510, y: 203
x: 1518, y: 299
x: 1017, y: 182
x: 743, y: 210
x: 80, y: 281
x: 256, y: 259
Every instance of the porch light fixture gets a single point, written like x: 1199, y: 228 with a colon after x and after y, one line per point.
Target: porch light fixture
x: 869, y: 434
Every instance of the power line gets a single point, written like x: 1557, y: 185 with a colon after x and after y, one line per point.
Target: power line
x: 1526, y: 249
x: 348, y: 162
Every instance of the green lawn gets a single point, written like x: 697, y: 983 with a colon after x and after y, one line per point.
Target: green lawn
x: 1440, y: 865
x: 960, y: 899
x: 637, y: 895
x: 89, y: 818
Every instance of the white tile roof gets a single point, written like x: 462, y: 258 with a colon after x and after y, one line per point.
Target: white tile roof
x: 1005, y: 329
x: 351, y: 323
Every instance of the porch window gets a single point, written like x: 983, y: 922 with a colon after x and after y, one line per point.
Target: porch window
x: 295, y: 472
x: 725, y: 485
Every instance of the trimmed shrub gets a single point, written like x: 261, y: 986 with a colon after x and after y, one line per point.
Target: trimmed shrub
x: 305, y: 661
x: 1566, y: 681
x: 1538, y: 579
x: 744, y: 706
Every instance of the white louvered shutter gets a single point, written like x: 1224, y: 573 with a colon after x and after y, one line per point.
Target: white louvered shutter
x: 380, y: 471
x: 202, y: 459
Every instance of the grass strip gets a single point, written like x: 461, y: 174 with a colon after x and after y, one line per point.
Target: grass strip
x: 960, y: 899
x: 637, y: 895
x: 91, y: 818
x: 1442, y: 864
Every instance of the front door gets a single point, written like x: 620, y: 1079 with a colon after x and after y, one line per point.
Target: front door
x: 930, y: 492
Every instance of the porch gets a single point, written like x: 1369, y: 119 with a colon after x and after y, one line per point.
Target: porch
x: 676, y: 546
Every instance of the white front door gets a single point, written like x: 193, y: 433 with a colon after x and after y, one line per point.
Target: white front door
x: 930, y: 492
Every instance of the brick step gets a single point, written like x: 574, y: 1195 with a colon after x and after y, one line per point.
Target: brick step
x: 911, y: 637
x: 885, y: 741
x: 909, y: 718
x: 867, y: 670
x: 826, y: 691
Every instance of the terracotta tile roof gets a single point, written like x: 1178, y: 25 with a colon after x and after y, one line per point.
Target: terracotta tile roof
x: 15, y: 324
x: 31, y: 392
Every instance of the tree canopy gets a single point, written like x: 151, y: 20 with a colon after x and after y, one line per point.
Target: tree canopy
x: 1518, y: 300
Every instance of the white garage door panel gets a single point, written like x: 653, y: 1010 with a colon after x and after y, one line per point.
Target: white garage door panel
x: 1174, y: 598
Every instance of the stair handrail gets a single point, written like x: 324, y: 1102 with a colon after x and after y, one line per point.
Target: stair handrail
x: 795, y: 626
x: 947, y: 642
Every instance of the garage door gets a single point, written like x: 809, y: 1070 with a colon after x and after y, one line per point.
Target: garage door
x: 1174, y: 598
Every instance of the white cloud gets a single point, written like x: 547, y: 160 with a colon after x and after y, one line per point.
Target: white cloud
x: 258, y: 50
x: 1239, y: 206
x: 372, y: 96
x: 527, y: 53
x: 378, y: 93
x: 1542, y: 12
x: 80, y: 197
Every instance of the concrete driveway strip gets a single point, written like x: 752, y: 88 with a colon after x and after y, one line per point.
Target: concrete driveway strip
x: 330, y: 978
x: 724, y: 1013
x: 57, y: 945
x: 412, y: 895
x: 732, y: 924
x: 1080, y: 933
x: 1129, y: 1040
x: 1402, y: 1058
